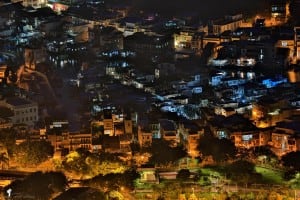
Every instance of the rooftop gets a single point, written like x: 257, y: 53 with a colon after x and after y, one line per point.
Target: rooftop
x: 17, y: 101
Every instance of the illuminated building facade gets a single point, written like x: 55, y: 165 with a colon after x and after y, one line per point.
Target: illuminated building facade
x: 267, y: 112
x: 229, y: 23
x: 147, y: 46
x: 279, y: 10
x: 25, y: 111
x: 34, y: 3
x: 34, y: 56
x: 297, y: 43
x: 144, y: 137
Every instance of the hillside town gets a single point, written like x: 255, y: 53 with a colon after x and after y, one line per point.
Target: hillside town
x: 101, y: 101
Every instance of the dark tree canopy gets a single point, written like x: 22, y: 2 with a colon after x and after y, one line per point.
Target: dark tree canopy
x: 8, y: 139
x: 219, y: 149
x: 291, y: 160
x: 39, y: 185
x: 183, y: 174
x: 163, y: 153
x: 263, y: 151
x: 242, y: 171
x: 82, y: 193
x: 114, y: 181
x: 33, y: 152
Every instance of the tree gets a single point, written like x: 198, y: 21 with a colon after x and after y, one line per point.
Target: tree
x: 8, y: 140
x: 163, y: 153
x: 183, y: 174
x: 33, y: 152
x: 114, y: 181
x: 241, y: 171
x: 263, y: 151
x: 85, y: 163
x: 39, y: 185
x: 220, y: 149
x: 291, y: 160
x: 3, y: 159
x: 82, y: 193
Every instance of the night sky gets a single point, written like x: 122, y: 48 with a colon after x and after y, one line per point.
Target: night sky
x: 206, y: 8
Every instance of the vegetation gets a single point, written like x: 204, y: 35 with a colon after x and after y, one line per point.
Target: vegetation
x: 85, y: 163
x: 183, y: 174
x: 163, y: 154
x: 3, y: 160
x: 114, y: 181
x: 220, y: 149
x: 39, y: 185
x: 33, y: 152
x: 8, y: 139
x: 82, y: 193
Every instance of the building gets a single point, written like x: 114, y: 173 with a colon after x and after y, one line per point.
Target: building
x: 107, y: 38
x: 297, y: 43
x: 168, y: 130
x: 148, y: 174
x: 57, y: 133
x: 190, y: 132
x: 239, y: 130
x: 279, y: 11
x: 3, y: 73
x: 149, y: 45
x: 229, y: 23
x: 268, y: 111
x: 284, y: 138
x: 33, y: 3
x: 25, y: 111
x: 144, y: 137
x: 79, y: 140
x: 243, y: 139
x: 34, y: 56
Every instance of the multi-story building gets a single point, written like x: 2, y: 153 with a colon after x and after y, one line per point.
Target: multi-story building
x: 268, y: 111
x: 57, y: 133
x: 34, y: 56
x: 79, y: 140
x: 149, y: 46
x: 249, y: 139
x: 229, y: 23
x: 279, y: 10
x: 239, y: 130
x: 25, y: 111
x: 107, y: 38
x: 284, y: 138
x: 169, y: 131
x: 190, y: 134
x: 3, y: 73
x: 33, y: 3
x: 144, y: 137
x: 297, y: 43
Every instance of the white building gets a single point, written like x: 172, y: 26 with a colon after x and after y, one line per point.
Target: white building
x: 25, y: 111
